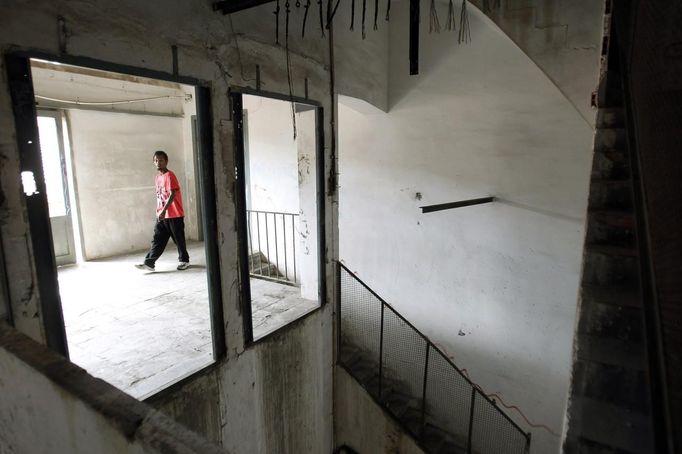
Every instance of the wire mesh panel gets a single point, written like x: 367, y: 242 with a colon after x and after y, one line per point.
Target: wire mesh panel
x: 404, y: 354
x: 360, y: 321
x: 492, y: 432
x: 448, y: 398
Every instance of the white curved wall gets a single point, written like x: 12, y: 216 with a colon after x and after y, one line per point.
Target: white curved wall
x: 495, y: 285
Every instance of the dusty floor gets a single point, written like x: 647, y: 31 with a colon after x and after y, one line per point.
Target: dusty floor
x: 141, y: 331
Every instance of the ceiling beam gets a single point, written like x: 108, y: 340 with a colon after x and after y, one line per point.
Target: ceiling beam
x: 233, y: 6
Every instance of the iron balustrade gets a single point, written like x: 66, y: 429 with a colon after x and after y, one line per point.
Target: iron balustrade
x: 414, y: 380
x: 272, y: 245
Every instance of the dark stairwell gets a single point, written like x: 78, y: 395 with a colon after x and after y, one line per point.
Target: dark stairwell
x: 414, y: 381
x: 610, y: 408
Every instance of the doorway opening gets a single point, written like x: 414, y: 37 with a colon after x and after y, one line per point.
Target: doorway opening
x: 282, y: 210
x: 98, y: 132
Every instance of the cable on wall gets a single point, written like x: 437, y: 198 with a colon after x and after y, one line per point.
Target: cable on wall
x: 434, y: 24
x: 187, y: 97
x: 464, y: 30
x: 352, y: 13
x: 276, y: 13
x: 451, y: 17
x: 239, y: 53
x: 364, y: 12
x: 286, y: 45
x: 496, y: 396
x: 305, y: 18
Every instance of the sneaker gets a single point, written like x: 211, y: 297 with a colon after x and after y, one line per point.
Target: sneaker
x: 144, y: 266
x: 183, y: 266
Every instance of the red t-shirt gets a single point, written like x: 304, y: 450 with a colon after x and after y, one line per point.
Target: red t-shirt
x: 164, y: 184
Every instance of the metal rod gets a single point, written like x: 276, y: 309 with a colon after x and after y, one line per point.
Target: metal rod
x: 294, y: 245
x: 267, y: 242
x: 248, y: 226
x: 274, y: 219
x: 450, y: 205
x: 284, y: 233
x: 381, y: 353
x: 426, y: 372
x: 471, y: 420
x: 338, y: 312
x: 260, y: 251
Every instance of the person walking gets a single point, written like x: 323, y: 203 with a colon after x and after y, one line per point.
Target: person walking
x: 170, y: 220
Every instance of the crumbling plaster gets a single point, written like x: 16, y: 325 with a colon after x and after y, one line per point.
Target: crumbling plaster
x: 140, y: 34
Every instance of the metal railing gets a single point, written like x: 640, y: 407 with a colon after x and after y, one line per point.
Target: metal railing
x: 414, y: 380
x: 272, y: 245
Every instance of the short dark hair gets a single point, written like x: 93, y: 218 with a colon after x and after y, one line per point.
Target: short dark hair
x: 160, y: 153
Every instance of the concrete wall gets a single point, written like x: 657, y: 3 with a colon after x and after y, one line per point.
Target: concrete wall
x: 75, y: 412
x: 362, y: 425
x: 562, y: 37
x: 277, y: 392
x: 361, y: 63
x: 495, y: 285
x: 114, y: 176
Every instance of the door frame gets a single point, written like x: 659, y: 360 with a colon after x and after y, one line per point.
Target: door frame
x: 58, y: 116
x: 23, y: 105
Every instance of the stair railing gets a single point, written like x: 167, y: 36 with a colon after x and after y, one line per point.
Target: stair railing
x: 414, y: 380
x: 272, y: 236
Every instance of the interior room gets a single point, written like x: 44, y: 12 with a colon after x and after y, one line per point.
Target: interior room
x: 140, y: 331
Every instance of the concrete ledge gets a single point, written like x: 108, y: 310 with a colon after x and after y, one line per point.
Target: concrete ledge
x: 85, y: 403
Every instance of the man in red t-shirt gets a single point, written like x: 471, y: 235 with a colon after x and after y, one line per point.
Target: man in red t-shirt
x: 170, y: 221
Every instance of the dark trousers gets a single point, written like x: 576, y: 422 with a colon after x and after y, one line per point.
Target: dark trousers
x: 163, y: 231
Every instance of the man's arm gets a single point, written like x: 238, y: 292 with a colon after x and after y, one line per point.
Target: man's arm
x: 162, y: 215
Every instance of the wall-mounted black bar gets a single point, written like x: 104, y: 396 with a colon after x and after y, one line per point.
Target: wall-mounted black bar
x: 463, y: 203
x: 228, y: 7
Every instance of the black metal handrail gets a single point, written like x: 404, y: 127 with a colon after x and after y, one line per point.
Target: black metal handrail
x: 446, y: 405
x: 269, y: 234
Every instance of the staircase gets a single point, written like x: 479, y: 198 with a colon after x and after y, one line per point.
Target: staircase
x: 610, y: 408
x: 416, y: 383
x: 260, y: 266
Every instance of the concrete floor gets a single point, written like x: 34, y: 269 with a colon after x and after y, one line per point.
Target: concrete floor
x: 142, y: 331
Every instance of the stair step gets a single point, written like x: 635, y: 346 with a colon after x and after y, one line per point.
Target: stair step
x: 614, y: 352
x: 615, y: 385
x: 620, y: 296
x: 608, y: 265
x: 611, y: 321
x: 610, y: 117
x: 614, y: 195
x: 610, y: 138
x: 610, y: 165
x: 614, y: 218
x: 600, y: 233
x: 615, y: 251
x: 610, y: 425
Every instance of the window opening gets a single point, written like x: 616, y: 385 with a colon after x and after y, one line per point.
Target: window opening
x: 140, y: 331
x: 280, y: 178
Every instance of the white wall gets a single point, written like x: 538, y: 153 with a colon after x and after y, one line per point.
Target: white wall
x: 114, y: 173
x: 495, y: 285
